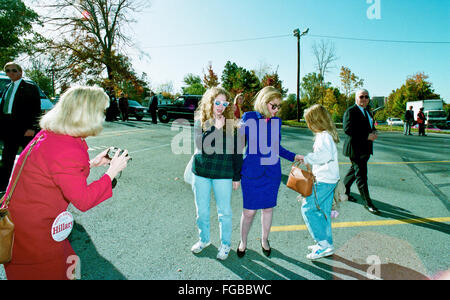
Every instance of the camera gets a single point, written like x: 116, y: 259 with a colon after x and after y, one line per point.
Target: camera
x: 111, y: 152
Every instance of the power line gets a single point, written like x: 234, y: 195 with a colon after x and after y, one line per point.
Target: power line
x: 290, y: 35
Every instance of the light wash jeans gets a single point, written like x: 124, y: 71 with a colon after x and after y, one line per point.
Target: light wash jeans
x: 222, y: 194
x: 318, y: 226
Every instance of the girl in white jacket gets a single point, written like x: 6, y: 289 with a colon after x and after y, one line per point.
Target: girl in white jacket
x: 316, y: 209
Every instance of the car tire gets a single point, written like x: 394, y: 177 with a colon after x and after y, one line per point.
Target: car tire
x: 163, y: 116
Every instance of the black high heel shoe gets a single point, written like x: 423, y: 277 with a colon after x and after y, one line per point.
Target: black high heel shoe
x: 240, y: 253
x: 266, y: 252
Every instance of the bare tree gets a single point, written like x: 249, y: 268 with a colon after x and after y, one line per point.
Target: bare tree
x: 325, y: 54
x: 91, y: 36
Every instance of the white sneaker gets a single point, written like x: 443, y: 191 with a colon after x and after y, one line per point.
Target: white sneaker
x: 313, y: 248
x: 199, y: 246
x: 319, y: 253
x: 224, y: 250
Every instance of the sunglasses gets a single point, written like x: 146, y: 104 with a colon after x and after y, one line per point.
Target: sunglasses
x: 11, y: 71
x: 225, y: 104
x: 364, y: 97
x: 275, y: 106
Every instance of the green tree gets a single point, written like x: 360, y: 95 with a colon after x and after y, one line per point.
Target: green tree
x: 237, y: 80
x: 16, y: 22
x: 313, y: 87
x: 416, y: 87
x: 194, y: 85
x: 349, y: 82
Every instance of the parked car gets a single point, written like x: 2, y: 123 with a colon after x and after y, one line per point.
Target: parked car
x: 46, y: 103
x: 182, y: 108
x: 136, y: 110
x: 394, y: 121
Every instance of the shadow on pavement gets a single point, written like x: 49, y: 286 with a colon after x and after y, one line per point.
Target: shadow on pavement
x: 388, y: 271
x: 389, y: 211
x: 93, y: 266
x: 255, y: 266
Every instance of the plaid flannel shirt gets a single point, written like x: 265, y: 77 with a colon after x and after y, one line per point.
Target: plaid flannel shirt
x: 219, y: 156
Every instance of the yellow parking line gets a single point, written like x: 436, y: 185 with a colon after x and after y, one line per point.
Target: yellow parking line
x: 365, y: 223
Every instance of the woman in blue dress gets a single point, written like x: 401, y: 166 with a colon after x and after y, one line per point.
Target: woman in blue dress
x: 261, y: 169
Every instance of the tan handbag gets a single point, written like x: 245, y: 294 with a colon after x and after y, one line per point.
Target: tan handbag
x: 6, y: 224
x: 300, y: 180
x: 303, y: 182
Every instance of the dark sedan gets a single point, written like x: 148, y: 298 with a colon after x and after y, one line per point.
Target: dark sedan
x: 136, y: 110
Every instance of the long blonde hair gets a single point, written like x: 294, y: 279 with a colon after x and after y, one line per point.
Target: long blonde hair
x: 79, y: 113
x: 263, y: 97
x: 205, y: 110
x: 319, y: 119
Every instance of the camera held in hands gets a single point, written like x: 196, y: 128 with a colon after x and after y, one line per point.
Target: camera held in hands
x: 111, y: 153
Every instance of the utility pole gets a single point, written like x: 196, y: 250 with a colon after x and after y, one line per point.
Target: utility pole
x: 298, y: 35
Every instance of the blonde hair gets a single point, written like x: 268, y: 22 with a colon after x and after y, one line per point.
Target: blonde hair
x: 319, y: 119
x: 205, y: 110
x: 264, y: 96
x: 237, y: 98
x: 80, y: 112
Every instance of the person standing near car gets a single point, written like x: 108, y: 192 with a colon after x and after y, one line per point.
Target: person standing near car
x: 421, y: 122
x: 153, y: 107
x: 409, y: 119
x: 19, y: 113
x: 123, y: 106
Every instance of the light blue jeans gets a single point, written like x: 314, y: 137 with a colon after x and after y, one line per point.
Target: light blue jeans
x: 222, y: 194
x: 318, y: 226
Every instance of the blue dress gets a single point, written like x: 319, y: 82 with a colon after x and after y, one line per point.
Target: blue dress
x: 261, y: 169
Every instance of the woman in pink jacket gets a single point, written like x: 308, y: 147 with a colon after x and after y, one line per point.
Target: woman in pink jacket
x: 55, y: 174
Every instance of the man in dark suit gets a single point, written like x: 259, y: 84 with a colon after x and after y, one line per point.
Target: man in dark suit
x: 409, y: 118
x: 153, y: 107
x: 360, y: 133
x: 19, y: 116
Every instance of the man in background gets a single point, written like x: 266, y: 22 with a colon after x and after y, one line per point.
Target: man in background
x: 19, y: 116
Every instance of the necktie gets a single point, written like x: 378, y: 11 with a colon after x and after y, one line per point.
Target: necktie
x: 7, y: 99
x: 367, y: 117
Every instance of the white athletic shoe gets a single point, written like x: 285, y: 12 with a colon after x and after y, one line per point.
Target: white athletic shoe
x: 224, y: 250
x: 319, y: 253
x: 199, y: 246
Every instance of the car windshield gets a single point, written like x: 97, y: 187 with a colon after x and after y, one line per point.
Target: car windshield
x: 396, y: 119
x: 3, y: 83
x: 437, y: 114
x: 133, y: 103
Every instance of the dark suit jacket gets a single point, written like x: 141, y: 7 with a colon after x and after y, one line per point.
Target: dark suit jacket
x: 357, y: 129
x: 26, y: 109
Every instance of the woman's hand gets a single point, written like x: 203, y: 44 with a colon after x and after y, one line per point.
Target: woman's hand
x: 101, y: 160
x: 219, y: 121
x: 118, y: 163
x: 236, y: 185
x: 300, y: 158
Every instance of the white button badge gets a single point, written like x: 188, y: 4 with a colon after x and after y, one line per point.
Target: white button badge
x: 62, y: 226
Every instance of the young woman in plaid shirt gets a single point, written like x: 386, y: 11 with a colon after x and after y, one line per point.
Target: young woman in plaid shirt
x: 217, y: 165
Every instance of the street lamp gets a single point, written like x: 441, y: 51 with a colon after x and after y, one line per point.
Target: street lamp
x: 299, y: 35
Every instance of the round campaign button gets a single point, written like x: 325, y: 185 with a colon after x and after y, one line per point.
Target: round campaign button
x: 62, y: 226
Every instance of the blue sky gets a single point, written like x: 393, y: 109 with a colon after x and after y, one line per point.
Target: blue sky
x: 167, y: 30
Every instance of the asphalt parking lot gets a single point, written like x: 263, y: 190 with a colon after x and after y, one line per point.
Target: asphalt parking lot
x: 146, y: 230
